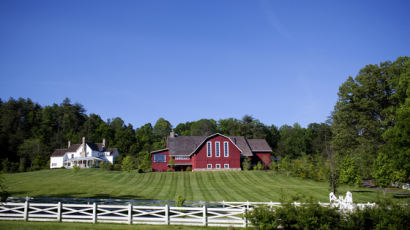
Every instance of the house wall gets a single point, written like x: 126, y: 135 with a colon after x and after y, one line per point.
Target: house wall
x: 157, y: 166
x: 264, y: 158
x: 56, y: 162
x: 200, y: 160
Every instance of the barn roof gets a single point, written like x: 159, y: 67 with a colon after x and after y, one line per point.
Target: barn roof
x: 186, y: 145
x: 259, y: 145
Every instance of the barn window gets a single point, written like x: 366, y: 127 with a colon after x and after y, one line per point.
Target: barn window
x: 218, y: 166
x: 209, y: 149
x: 226, y: 149
x: 217, y: 149
x: 226, y: 166
x: 209, y: 166
x: 159, y: 158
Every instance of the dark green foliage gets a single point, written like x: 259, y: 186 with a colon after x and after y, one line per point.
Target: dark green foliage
x: 188, y: 169
x: 314, y: 216
x: 311, y: 216
x: 372, y: 111
x: 385, y: 216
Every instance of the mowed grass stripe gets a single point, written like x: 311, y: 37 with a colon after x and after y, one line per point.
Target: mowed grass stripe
x: 261, y: 189
x: 237, y: 187
x: 220, y: 188
x: 154, y: 186
x: 229, y: 186
x: 205, y: 186
x: 187, y: 186
x: 171, y: 186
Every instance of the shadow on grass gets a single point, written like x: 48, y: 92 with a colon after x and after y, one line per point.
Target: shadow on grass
x: 401, y: 196
x: 362, y: 191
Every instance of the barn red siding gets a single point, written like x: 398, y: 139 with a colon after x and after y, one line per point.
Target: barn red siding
x: 200, y: 159
x: 265, y: 158
x: 160, y: 167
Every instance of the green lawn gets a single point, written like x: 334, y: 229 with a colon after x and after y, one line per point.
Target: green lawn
x: 20, y: 225
x: 198, y: 186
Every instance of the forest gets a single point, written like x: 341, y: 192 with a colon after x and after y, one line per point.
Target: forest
x: 367, y: 135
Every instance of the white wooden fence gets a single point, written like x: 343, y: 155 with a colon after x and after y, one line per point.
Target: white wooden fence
x: 93, y: 213
x: 229, y: 214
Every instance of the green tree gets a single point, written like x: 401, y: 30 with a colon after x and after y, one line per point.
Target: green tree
x: 128, y: 163
x: 366, y: 108
x: 349, y: 172
x: 203, y: 127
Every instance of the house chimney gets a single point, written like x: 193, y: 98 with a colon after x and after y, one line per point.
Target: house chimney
x: 172, y: 134
x: 103, y: 143
x: 83, y: 140
x: 69, y: 144
x: 83, y: 144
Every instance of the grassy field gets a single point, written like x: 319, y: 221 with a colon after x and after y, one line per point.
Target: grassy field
x: 197, y: 186
x: 20, y: 225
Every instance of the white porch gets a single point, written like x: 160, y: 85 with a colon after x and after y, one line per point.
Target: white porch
x: 82, y: 162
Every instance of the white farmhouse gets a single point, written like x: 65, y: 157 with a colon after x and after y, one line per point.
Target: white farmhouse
x: 84, y: 155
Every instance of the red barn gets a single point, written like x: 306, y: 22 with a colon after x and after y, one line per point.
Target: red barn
x: 214, y: 152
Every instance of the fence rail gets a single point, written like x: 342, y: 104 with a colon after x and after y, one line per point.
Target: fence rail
x: 228, y: 214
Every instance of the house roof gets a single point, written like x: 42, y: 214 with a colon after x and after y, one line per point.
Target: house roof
x: 74, y: 148
x: 59, y: 152
x: 186, y: 145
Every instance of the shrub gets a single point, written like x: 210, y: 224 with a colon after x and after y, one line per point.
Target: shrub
x: 169, y: 170
x: 128, y: 163
x: 76, y: 168
x: 259, y: 166
x: 311, y: 216
x: 246, y: 164
x: 385, y: 216
x: 139, y: 170
x: 188, y: 168
x: 179, y: 201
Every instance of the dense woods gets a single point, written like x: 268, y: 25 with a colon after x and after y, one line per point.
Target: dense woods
x: 367, y: 135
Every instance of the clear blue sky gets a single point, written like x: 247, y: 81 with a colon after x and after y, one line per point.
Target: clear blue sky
x: 280, y: 61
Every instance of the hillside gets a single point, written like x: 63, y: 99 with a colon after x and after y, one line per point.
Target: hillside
x: 198, y: 186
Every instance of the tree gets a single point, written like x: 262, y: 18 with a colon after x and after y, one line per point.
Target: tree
x: 349, y: 172
x: 203, y: 127
x: 128, y: 163
x: 162, y: 128
x: 171, y: 163
x: 366, y: 108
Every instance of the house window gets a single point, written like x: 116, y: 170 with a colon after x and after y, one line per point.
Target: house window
x: 181, y: 157
x: 226, y: 149
x: 160, y: 158
x: 226, y: 166
x: 69, y: 164
x: 72, y: 155
x: 54, y: 164
x: 217, y: 149
x: 209, y: 166
x: 218, y: 166
x: 209, y: 149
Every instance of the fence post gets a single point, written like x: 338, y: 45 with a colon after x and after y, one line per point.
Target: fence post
x: 59, y: 214
x: 247, y: 204
x: 205, y: 218
x: 223, y: 204
x: 129, y: 213
x: 167, y: 219
x: 245, y: 218
x: 94, y: 212
x: 26, y: 210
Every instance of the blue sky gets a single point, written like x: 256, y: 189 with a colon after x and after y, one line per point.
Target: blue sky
x: 280, y: 61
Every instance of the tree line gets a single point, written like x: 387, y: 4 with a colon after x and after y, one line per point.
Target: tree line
x: 367, y: 134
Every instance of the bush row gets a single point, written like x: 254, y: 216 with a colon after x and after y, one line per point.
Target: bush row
x: 314, y: 216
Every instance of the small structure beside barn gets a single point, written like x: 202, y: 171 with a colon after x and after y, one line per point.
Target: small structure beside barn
x: 214, y: 152
x: 84, y: 155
